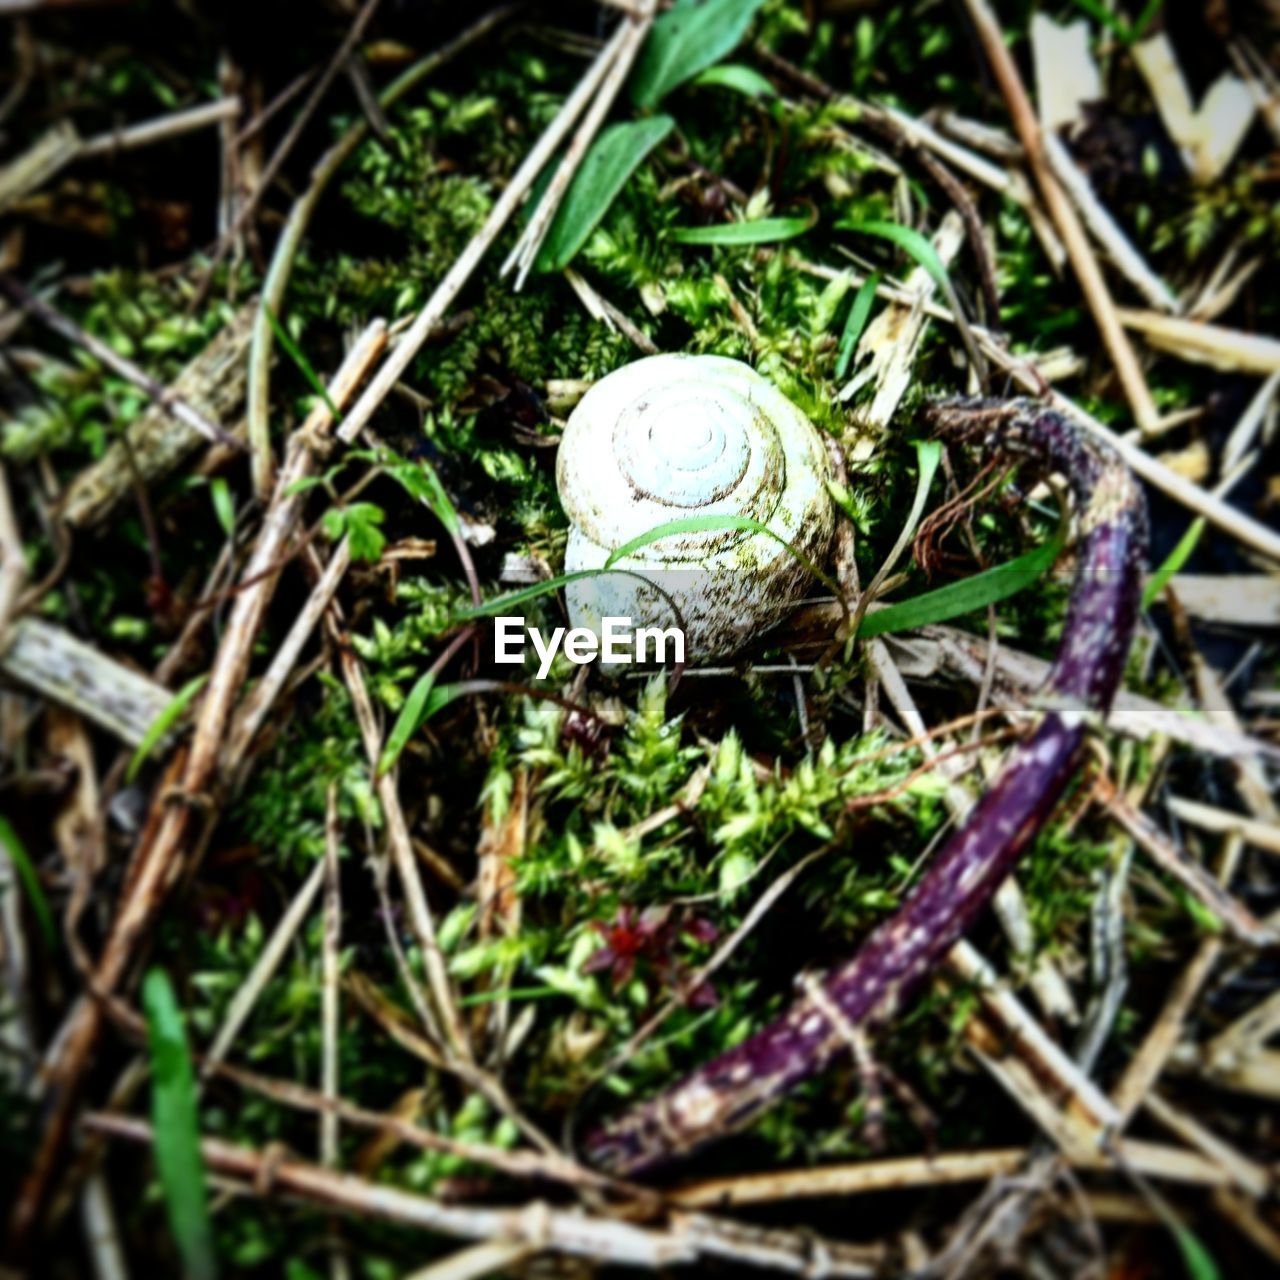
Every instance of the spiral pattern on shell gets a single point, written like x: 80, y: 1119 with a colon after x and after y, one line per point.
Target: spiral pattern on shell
x: 673, y: 436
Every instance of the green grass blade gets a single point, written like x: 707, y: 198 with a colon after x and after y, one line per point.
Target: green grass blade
x: 699, y: 524
x: 739, y: 77
x: 1144, y: 20
x: 1173, y: 562
x: 29, y: 880
x: 928, y: 457
x: 168, y: 717
x: 966, y: 596
x: 909, y: 241
x: 863, y: 301
x: 489, y: 608
x: 408, y: 722
x: 177, y: 1136
x: 757, y: 231
x: 614, y: 157
x: 685, y: 524
x: 223, y: 506
x: 508, y: 993
x: 1098, y: 11
x: 1195, y: 1257
x: 294, y: 353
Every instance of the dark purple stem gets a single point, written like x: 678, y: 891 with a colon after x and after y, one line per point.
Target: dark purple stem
x: 869, y: 990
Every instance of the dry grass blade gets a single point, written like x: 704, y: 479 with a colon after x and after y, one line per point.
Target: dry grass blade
x: 1086, y: 267
x: 264, y: 968
x: 1263, y: 835
x: 162, y: 129
x: 1189, y: 873
x: 1228, y: 349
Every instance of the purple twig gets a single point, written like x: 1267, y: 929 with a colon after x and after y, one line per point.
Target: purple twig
x: 869, y: 990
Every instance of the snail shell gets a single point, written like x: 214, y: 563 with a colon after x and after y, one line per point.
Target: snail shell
x: 673, y: 436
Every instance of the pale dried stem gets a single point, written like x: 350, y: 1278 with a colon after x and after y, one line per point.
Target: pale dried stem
x: 38, y: 164
x: 1262, y: 835
x: 264, y: 968
x: 73, y: 674
x: 449, y: 1026
x: 1253, y: 533
x: 263, y: 568
x: 491, y: 1258
x: 1246, y: 1034
x: 1085, y: 264
x: 517, y: 1164
x: 1147, y: 1065
x: 330, y: 1002
x: 1245, y: 432
x: 1243, y: 1172
x: 1186, y: 870
x: 1155, y: 1160
x: 101, y: 1230
x: 162, y: 129
x: 687, y: 1238
x: 1085, y: 1107
x: 282, y: 152
x: 1246, y: 1217
x: 1231, y: 350
x: 257, y: 704
x: 13, y: 562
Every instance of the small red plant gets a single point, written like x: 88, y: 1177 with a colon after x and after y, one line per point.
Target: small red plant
x: 652, y: 936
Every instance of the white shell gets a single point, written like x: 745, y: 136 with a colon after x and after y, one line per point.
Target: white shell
x: 677, y: 435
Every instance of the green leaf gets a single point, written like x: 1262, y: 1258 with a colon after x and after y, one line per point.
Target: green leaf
x: 756, y: 231
x: 420, y: 481
x: 1195, y: 1257
x: 686, y: 40
x: 366, y: 539
x: 408, y: 722
x: 614, y: 157
x: 177, y: 1135
x: 738, y: 77
x: 1173, y: 562
x: 856, y: 322
x: 928, y: 456
x: 911, y: 242
x: 294, y: 353
x: 168, y: 717
x: 966, y: 596
x: 223, y: 507
x: 26, y: 871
